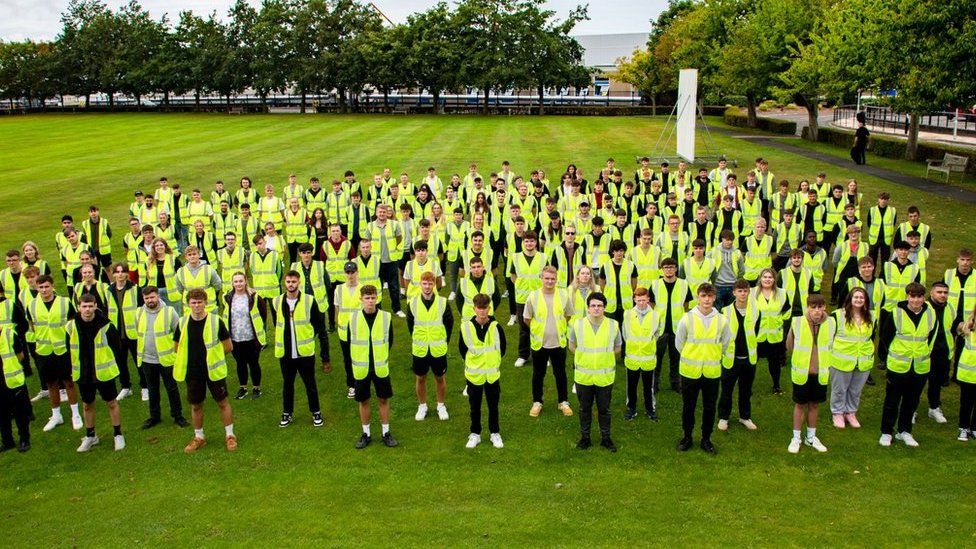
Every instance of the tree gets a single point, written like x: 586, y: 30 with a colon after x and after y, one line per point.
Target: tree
x: 272, y: 55
x: 551, y: 57
x: 238, y: 71
x: 433, y: 55
x: 26, y: 70
x: 169, y: 68
x: 79, y: 58
x: 488, y: 32
x: 311, y: 37
x: 354, y: 22
x: 386, y: 55
x: 142, y: 41
x: 638, y: 71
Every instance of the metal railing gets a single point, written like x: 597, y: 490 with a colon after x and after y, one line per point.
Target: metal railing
x: 885, y: 119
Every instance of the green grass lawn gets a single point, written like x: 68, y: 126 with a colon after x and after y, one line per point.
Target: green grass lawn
x: 302, y: 485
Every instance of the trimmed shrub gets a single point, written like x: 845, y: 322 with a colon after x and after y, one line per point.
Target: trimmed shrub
x: 733, y: 117
x: 890, y: 147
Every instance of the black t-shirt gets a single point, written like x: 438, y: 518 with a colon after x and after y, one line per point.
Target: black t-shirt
x: 196, y: 351
x: 668, y: 321
x: 741, y: 347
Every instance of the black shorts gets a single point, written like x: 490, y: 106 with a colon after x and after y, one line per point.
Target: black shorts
x: 384, y: 389
x: 54, y: 368
x: 811, y: 392
x: 104, y: 260
x: 436, y: 364
x: 105, y: 389
x: 196, y: 390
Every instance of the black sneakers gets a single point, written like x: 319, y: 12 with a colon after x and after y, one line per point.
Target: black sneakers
x: 389, y: 441
x: 609, y: 445
x: 685, y: 444
x: 629, y: 414
x: 584, y: 443
x: 652, y: 415
x: 317, y: 420
x: 181, y: 422
x: 151, y: 422
x: 285, y: 420
x: 24, y: 446
x: 707, y: 446
x: 256, y: 392
x: 363, y: 441
x: 241, y: 393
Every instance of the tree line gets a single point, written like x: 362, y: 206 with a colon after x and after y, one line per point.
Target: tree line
x: 806, y: 51
x: 306, y: 47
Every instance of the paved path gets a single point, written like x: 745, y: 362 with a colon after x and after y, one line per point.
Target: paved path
x: 917, y: 183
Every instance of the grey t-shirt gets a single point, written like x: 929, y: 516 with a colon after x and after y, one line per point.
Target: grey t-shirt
x: 550, y: 336
x: 149, y: 353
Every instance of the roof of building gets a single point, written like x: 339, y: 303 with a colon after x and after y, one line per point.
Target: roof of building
x: 603, y: 50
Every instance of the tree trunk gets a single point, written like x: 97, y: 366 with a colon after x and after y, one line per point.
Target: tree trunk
x: 653, y: 104
x: 542, y: 93
x: 87, y: 98
x: 228, y: 101
x: 111, y: 101
x: 166, y: 98
x: 264, y: 98
x: 911, y: 146
x: 752, y: 119
x: 196, y: 98
x: 813, y: 119
x: 486, y: 101
x: 386, y: 99
x: 437, y: 101
x: 302, y: 109
x: 138, y: 101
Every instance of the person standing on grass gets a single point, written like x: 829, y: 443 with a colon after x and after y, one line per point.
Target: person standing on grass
x: 298, y: 321
x: 386, y: 236
x: 946, y: 326
x: 98, y: 234
x: 482, y: 346
x: 739, y: 361
x: 526, y: 269
x: 347, y: 301
x: 429, y: 321
x: 546, y: 314
x: 595, y: 341
x: 905, y: 348
x: 14, y: 403
x: 702, y: 337
x: 198, y: 275
x: 155, y: 323
x: 809, y: 340
x: 48, y: 314
x: 966, y: 375
x: 774, y: 309
x: 641, y: 328
x: 124, y: 300
x: 94, y: 346
x: 370, y: 336
x: 882, y: 220
x: 201, y: 344
x: 244, y: 313
x: 853, y: 354
x: 861, y: 134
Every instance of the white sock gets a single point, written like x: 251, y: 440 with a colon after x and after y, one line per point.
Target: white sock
x: 56, y: 412
x: 74, y: 410
x: 386, y: 429
x: 441, y: 405
x: 811, y: 432
x: 796, y: 434
x: 423, y: 406
x: 198, y: 433
x: 366, y: 429
x: 229, y: 430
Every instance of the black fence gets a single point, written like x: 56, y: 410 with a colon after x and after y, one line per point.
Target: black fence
x: 959, y: 122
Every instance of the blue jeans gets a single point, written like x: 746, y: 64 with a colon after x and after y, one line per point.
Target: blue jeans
x: 725, y: 296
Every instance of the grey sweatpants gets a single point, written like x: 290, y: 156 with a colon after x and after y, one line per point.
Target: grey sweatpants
x: 845, y: 390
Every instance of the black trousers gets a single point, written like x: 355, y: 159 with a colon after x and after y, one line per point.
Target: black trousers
x: 125, y: 380
x: 880, y: 253
x: 293, y: 251
x: 304, y: 367
x: 390, y: 274
x: 743, y: 373
x: 666, y: 343
x: 780, y: 261
x: 902, y: 393
x: 967, y: 405
x: 15, y: 406
x: 557, y: 357
x: 775, y: 354
x: 155, y: 372
x: 858, y: 154
x: 938, y: 375
x: 587, y: 394
x: 524, y: 345
x: 510, y: 288
x: 647, y: 379
x: 491, y: 393
x: 347, y: 363
x: 690, y: 388
x: 332, y: 308
x: 247, y: 354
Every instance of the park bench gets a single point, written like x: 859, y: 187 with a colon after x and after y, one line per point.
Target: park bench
x: 401, y: 109
x: 950, y: 164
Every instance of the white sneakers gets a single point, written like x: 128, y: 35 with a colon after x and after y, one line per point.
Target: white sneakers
x: 53, y: 422
x: 124, y: 394
x: 815, y: 443
x: 885, y: 440
x: 421, y: 412
x: 41, y: 395
x: 351, y: 393
x: 748, y: 424
x: 451, y: 296
x: 511, y: 320
x: 401, y: 314
x: 496, y: 440
x: 908, y: 439
x: 536, y: 409
x: 723, y: 425
x: 963, y: 435
x: 519, y: 362
x: 77, y: 423
x: 87, y: 443
x: 442, y: 413
x: 937, y: 415
x: 464, y: 392
x: 145, y: 395
x: 565, y: 408
x: 119, y: 442
x: 473, y: 440
x: 794, y: 447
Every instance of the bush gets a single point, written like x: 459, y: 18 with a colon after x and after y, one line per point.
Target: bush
x: 890, y: 147
x: 733, y: 117
x: 770, y: 105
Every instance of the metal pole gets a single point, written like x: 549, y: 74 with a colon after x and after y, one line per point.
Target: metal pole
x: 955, y: 125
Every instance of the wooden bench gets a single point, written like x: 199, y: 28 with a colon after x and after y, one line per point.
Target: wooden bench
x: 950, y: 164
x: 401, y: 109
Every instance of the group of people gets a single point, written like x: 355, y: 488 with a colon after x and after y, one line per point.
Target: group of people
x: 704, y: 270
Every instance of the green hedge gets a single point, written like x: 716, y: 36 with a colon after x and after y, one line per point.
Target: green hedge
x: 733, y: 117
x: 891, y: 147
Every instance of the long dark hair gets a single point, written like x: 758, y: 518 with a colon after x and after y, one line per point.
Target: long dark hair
x: 849, y: 306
